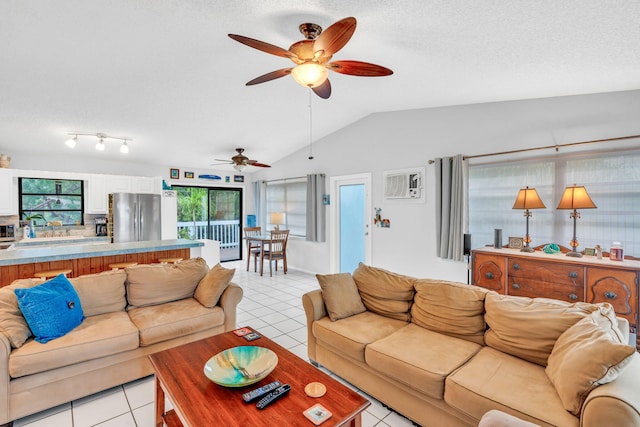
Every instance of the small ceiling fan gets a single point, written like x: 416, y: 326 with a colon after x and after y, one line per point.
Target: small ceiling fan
x: 240, y: 161
x: 312, y: 57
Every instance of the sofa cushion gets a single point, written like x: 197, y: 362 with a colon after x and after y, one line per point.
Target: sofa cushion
x: 450, y: 308
x: 51, y: 309
x: 495, y: 380
x: 419, y: 358
x: 101, y: 292
x: 174, y: 319
x: 351, y: 335
x: 151, y: 284
x: 383, y: 292
x: 590, y: 353
x: 12, y: 323
x: 529, y: 327
x: 98, y: 336
x: 213, y: 284
x: 340, y: 295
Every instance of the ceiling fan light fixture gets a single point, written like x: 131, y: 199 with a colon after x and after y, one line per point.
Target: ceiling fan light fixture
x: 100, y: 145
x: 310, y: 74
x: 71, y: 142
x: 124, y: 148
x: 239, y: 168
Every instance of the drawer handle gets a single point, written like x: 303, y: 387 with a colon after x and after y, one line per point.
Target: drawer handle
x: 573, y: 297
x: 516, y: 286
x: 516, y: 266
x: 489, y: 275
x: 610, y: 295
x: 573, y: 274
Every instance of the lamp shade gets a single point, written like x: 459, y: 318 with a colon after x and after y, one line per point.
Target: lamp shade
x: 276, y: 218
x: 310, y: 74
x: 528, y: 198
x: 576, y: 197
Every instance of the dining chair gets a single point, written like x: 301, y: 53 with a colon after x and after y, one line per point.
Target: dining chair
x: 277, y: 250
x: 252, y: 249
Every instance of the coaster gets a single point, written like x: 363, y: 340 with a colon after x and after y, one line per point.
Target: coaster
x: 315, y: 389
x: 317, y: 414
x: 242, y: 331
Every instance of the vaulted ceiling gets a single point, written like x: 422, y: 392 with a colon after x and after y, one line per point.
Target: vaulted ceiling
x: 164, y: 72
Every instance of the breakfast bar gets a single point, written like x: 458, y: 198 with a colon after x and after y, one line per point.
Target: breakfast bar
x: 90, y: 257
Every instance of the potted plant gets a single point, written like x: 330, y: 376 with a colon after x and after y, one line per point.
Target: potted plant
x: 30, y: 218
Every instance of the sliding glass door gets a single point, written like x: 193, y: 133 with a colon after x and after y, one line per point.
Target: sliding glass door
x: 212, y: 213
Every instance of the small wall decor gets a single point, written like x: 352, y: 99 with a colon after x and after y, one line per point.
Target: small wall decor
x: 227, y: 179
x: 238, y: 178
x: 188, y: 175
x: 174, y: 173
x: 326, y: 199
x: 379, y: 221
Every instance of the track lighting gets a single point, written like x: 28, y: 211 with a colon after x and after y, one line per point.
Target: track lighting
x: 102, y: 138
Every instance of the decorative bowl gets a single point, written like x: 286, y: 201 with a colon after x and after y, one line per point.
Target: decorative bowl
x: 240, y: 366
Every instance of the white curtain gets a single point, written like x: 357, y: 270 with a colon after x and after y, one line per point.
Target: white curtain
x: 451, y: 206
x: 259, y: 203
x: 315, y: 208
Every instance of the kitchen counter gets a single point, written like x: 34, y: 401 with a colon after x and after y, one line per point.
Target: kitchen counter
x: 53, y: 241
x: 20, y: 255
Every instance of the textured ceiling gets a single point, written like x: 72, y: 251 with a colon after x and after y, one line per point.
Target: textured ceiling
x: 164, y: 72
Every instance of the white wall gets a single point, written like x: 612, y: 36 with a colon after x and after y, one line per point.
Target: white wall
x: 403, y: 139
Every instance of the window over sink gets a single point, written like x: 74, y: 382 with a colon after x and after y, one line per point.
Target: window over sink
x: 58, y: 201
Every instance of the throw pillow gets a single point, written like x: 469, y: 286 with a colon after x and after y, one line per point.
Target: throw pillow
x: 51, y: 309
x: 152, y: 284
x: 529, y: 327
x: 384, y: 292
x: 588, y: 354
x: 12, y: 323
x: 211, y: 287
x: 340, y: 295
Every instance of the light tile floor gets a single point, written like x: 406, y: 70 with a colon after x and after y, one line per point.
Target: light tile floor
x: 271, y: 305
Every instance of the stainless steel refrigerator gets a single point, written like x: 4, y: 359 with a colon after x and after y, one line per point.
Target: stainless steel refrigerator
x: 135, y: 217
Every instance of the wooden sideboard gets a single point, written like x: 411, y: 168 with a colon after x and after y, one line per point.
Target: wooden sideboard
x: 537, y: 274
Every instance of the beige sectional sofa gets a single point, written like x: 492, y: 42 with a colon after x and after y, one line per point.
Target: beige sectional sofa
x: 444, y: 354
x: 128, y: 314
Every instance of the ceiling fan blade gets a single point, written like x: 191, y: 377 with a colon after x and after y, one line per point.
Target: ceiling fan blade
x: 324, y: 90
x: 270, y: 76
x: 335, y: 37
x: 263, y: 46
x: 223, y: 162
x: 260, y: 165
x: 358, y: 68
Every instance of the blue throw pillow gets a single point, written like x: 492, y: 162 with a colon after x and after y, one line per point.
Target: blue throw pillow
x: 51, y: 309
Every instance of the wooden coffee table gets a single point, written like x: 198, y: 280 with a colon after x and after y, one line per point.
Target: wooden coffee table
x: 197, y: 401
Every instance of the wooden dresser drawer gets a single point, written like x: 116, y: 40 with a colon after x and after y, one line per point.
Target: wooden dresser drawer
x: 488, y: 272
x: 617, y: 287
x: 544, y: 279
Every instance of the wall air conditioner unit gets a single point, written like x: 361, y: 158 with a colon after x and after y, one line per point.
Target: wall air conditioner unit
x: 406, y: 185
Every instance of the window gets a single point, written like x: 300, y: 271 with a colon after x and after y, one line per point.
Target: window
x: 611, y: 179
x: 288, y: 196
x: 52, y: 200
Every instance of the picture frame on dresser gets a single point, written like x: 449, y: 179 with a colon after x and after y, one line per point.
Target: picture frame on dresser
x: 516, y: 242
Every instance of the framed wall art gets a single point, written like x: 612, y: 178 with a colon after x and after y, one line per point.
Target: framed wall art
x: 188, y: 175
x: 174, y: 173
x: 516, y: 242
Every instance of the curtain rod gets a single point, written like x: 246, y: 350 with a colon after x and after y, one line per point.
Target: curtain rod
x: 286, y: 179
x: 556, y: 146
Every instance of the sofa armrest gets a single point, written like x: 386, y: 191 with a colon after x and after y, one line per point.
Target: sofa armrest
x: 616, y: 403
x: 229, y: 301
x: 5, y: 352
x: 314, y: 309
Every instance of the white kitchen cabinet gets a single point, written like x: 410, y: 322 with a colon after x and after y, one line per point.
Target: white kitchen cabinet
x: 143, y: 184
x: 96, y: 195
x: 119, y: 184
x: 8, y: 193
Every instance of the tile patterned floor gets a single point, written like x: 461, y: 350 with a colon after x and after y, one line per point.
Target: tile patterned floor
x: 272, y: 305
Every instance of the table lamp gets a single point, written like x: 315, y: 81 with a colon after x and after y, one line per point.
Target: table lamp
x: 526, y: 199
x: 575, y: 197
x: 276, y: 219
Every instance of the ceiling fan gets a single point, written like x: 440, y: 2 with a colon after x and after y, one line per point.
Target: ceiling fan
x: 240, y: 161
x: 312, y: 57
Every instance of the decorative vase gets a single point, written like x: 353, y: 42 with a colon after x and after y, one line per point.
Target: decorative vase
x: 32, y: 229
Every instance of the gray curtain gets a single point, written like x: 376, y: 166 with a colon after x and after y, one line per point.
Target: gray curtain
x: 451, y: 206
x: 315, y: 208
x: 259, y: 202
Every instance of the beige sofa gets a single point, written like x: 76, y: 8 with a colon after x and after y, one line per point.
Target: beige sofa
x: 129, y: 314
x: 445, y: 354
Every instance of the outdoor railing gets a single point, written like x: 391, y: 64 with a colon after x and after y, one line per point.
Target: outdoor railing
x: 226, y: 232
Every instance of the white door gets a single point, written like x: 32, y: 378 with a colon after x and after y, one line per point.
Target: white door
x: 350, y: 222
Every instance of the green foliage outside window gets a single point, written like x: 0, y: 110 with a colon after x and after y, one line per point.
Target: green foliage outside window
x: 49, y: 200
